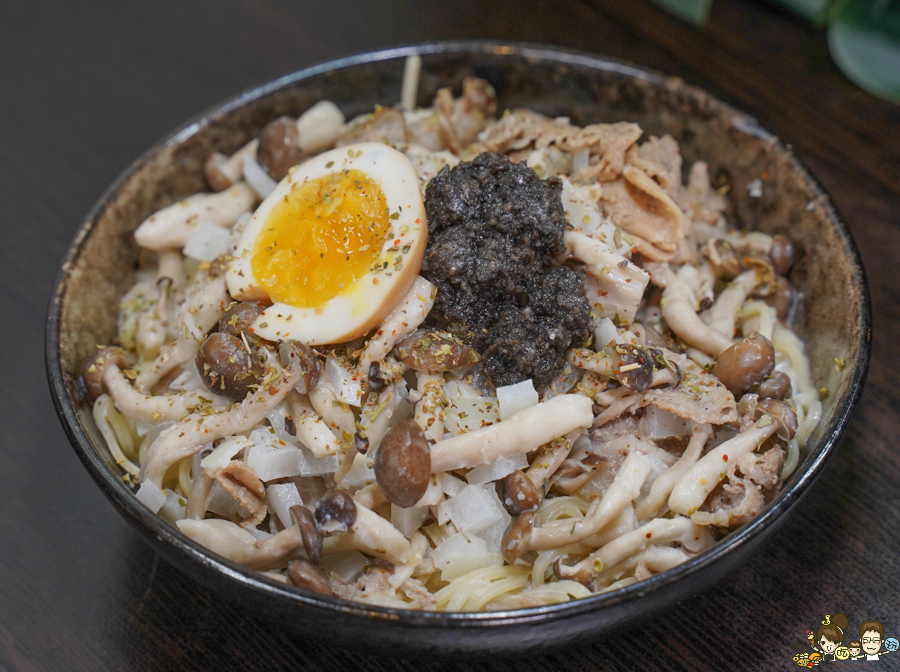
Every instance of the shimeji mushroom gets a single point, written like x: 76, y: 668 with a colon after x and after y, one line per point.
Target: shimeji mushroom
x: 302, y: 540
x: 694, y: 486
x: 523, y: 536
x: 172, y: 226
x: 198, y: 315
x: 525, y: 431
x: 401, y: 321
x: 725, y: 310
x: 662, y: 486
x: 223, y: 172
x: 679, y: 303
x: 373, y: 535
x: 104, y: 370
x: 191, y: 433
x: 658, y: 531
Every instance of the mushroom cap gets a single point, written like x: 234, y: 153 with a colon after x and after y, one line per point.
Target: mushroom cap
x: 335, y: 511
x: 304, y: 574
x: 519, y: 494
x: 575, y: 573
x: 745, y: 363
x: 514, y: 545
x: 403, y: 464
x: 782, y: 414
x: 92, y: 371
x: 313, y: 540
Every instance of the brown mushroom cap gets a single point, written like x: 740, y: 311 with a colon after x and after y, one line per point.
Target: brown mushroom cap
x: 776, y: 386
x: 745, y: 363
x: 279, y: 147
x: 633, y: 366
x: 226, y: 367
x: 435, y: 352
x: 514, y: 545
x: 306, y: 575
x: 216, y: 177
x: 335, y: 511
x: 578, y: 574
x: 403, y: 464
x: 519, y: 494
x: 781, y: 298
x: 238, y: 319
x: 782, y: 414
x: 92, y: 371
x: 782, y: 254
x: 313, y: 539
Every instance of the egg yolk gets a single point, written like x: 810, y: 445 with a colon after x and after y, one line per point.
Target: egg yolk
x: 321, y: 239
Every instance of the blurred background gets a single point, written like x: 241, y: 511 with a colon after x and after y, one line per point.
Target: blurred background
x: 88, y: 86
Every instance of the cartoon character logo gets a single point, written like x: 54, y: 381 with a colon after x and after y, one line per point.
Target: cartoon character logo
x: 827, y: 642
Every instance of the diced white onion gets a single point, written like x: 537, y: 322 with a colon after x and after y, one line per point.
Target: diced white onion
x: 361, y: 473
x: 408, y: 520
x: 343, y: 381
x: 514, y: 398
x: 606, y: 333
x: 221, y: 502
x: 282, y: 496
x: 472, y: 509
x: 348, y: 565
x: 207, y: 241
x: 270, y: 462
x: 494, y: 471
x: 453, y: 485
x: 465, y: 414
x: 151, y: 496
x: 173, y: 508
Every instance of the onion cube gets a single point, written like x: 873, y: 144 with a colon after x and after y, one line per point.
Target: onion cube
x: 496, y: 470
x: 408, y: 520
x: 270, y: 462
x: 221, y: 502
x: 282, y: 496
x: 473, y: 509
x: 151, y: 496
x: 514, y: 398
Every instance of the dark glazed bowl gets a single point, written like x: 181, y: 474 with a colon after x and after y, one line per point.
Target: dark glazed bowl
x: 836, y: 319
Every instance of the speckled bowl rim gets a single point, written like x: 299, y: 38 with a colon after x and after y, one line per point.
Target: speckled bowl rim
x: 774, y: 514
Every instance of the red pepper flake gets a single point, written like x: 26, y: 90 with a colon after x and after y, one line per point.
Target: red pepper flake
x: 649, y: 534
x: 765, y: 175
x: 725, y: 457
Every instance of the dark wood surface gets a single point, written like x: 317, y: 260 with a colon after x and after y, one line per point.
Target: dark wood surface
x: 87, y: 86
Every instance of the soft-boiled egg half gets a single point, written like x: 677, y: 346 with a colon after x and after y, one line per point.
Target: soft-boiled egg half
x: 334, y: 247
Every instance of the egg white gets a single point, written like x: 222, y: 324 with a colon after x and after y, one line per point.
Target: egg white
x: 365, y: 304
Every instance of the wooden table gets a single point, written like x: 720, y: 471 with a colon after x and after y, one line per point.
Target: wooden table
x: 87, y: 86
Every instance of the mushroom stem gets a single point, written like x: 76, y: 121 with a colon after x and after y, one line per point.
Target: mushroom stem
x: 172, y: 226
x: 725, y: 310
x: 678, y: 306
x: 695, y: 484
x: 311, y: 430
x: 186, y: 437
x: 657, y: 531
x: 153, y: 409
x: 548, y: 459
x: 223, y: 172
x: 196, y: 501
x: 234, y: 543
x: 650, y: 506
x: 523, y: 432
x: 197, y: 317
x: 430, y: 409
x: 402, y: 321
x: 625, y: 487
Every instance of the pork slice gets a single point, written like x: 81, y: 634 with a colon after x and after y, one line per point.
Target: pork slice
x: 660, y: 158
x: 699, y: 396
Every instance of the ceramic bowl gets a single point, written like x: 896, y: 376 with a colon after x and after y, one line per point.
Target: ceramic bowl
x: 836, y: 319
